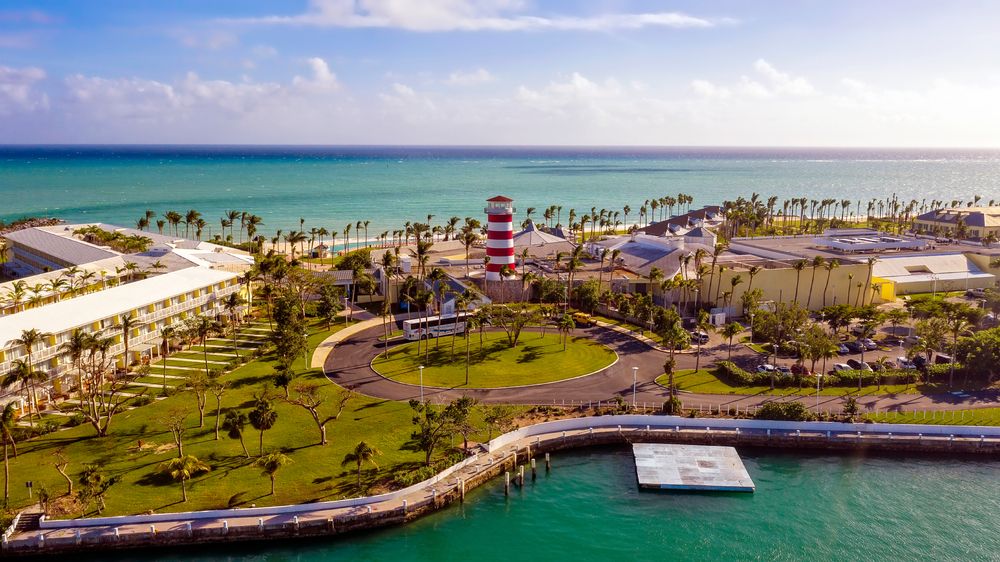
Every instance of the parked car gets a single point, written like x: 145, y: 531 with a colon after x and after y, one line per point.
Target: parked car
x: 699, y: 337
x: 841, y: 367
x: 842, y: 349
x: 765, y: 368
x: 800, y: 369
x: 784, y: 370
x: 859, y: 365
x: 905, y: 363
x: 854, y: 347
x: 869, y: 344
x: 882, y: 365
x: 975, y: 293
x: 912, y: 340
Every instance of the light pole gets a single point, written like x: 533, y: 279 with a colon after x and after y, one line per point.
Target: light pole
x: 819, y: 378
x: 421, y: 383
x: 635, y: 371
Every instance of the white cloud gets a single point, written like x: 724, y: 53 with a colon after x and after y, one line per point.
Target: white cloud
x: 772, y: 108
x: 468, y: 15
x: 18, y: 89
x: 478, y: 76
x: 211, y: 39
x: 321, y: 80
x: 709, y: 90
x: 781, y: 82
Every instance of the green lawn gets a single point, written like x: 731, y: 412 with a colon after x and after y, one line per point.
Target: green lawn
x: 982, y: 416
x: 704, y: 381
x: 139, y: 443
x: 536, y: 359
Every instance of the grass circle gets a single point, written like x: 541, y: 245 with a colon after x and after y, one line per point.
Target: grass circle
x: 536, y: 359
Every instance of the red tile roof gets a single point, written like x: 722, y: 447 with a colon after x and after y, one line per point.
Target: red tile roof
x: 499, y: 199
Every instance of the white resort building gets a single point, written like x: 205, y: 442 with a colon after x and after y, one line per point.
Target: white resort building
x: 63, y: 284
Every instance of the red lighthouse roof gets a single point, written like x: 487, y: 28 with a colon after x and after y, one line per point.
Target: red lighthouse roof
x: 499, y: 199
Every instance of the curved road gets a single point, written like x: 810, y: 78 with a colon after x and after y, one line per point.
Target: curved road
x: 349, y: 365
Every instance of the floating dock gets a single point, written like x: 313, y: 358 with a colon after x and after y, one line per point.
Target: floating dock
x: 690, y: 467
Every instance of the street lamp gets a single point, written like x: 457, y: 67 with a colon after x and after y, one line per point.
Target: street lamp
x: 421, y: 383
x: 635, y: 371
x: 819, y: 378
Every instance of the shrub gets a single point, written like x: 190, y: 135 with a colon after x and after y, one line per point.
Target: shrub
x: 142, y: 400
x: 869, y: 378
x: 731, y: 373
x: 75, y: 420
x: 414, y: 476
x: 672, y: 406
x: 784, y: 411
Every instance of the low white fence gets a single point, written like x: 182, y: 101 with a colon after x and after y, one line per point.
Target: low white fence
x: 538, y: 430
x: 662, y: 422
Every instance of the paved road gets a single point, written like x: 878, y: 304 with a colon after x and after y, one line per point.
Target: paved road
x: 349, y: 366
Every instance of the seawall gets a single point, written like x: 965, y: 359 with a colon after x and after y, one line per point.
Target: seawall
x: 503, y: 454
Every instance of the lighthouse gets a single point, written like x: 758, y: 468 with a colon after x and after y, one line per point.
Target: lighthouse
x: 500, y: 235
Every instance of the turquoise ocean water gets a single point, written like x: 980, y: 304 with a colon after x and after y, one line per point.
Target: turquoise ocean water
x: 331, y: 186
x: 806, y: 507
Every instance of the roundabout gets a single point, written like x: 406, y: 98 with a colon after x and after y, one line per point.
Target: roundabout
x: 350, y: 365
x: 538, y: 358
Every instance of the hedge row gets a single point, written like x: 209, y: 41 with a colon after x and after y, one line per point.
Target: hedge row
x: 734, y: 375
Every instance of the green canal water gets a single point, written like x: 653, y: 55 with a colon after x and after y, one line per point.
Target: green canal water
x: 589, y: 508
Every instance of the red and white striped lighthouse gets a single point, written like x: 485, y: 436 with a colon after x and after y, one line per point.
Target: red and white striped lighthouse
x: 500, y: 235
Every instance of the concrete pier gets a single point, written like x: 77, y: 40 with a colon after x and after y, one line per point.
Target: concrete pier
x: 690, y: 467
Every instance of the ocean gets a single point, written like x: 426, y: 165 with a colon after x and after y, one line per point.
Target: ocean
x: 332, y: 186
x: 806, y: 507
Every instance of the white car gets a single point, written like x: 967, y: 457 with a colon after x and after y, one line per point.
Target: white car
x: 905, y: 363
x: 837, y: 367
x: 765, y: 368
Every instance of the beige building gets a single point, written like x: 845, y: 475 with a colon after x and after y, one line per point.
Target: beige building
x: 979, y: 222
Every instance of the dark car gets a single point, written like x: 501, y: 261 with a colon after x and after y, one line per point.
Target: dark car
x: 854, y: 346
x: 858, y: 365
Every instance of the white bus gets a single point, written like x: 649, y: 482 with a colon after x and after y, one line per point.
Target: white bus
x: 429, y: 327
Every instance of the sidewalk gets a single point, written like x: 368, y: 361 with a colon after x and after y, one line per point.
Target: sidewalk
x: 367, y: 320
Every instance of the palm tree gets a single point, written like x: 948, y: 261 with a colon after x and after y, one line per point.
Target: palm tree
x: 127, y: 325
x: 868, y: 282
x: 729, y: 331
x: 362, y: 453
x: 166, y: 334
x: 566, y: 326
x: 29, y: 339
x: 202, y: 328
x: 830, y: 266
x: 233, y: 424
x: 817, y: 262
x: 704, y: 324
x: 437, y: 277
x: 182, y: 469
x: 232, y: 304
x: 7, y: 422
x: 271, y: 464
x: 262, y: 418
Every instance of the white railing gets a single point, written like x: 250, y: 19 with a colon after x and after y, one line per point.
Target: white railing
x: 552, y: 429
x: 660, y: 422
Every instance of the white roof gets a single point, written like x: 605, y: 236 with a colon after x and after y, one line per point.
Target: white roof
x: 86, y: 309
x: 904, y: 266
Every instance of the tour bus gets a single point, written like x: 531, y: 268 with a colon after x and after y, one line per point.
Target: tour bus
x: 429, y: 327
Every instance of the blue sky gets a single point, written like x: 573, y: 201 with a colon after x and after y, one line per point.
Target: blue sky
x: 806, y: 73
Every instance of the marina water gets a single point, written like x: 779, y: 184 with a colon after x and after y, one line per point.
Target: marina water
x: 332, y: 186
x: 818, y: 507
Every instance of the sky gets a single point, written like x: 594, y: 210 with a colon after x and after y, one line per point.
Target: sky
x: 501, y: 72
